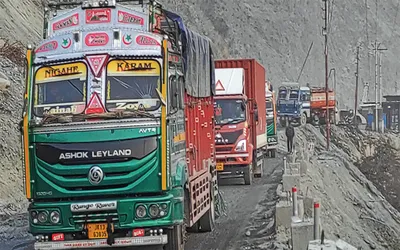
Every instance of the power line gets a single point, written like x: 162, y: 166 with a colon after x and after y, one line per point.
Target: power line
x: 394, y: 20
x: 305, y: 60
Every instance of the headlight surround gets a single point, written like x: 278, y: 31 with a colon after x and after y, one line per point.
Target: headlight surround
x: 241, y: 146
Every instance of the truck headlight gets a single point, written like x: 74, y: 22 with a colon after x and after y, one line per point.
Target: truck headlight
x: 241, y: 146
x: 42, y: 217
x: 154, y: 211
x: 55, y: 217
x: 141, y: 211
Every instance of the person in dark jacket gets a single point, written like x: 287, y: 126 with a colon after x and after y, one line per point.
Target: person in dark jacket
x: 289, y: 137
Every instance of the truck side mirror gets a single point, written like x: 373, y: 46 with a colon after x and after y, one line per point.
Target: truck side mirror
x: 255, y: 112
x: 21, y: 126
x: 256, y: 115
x: 173, y: 92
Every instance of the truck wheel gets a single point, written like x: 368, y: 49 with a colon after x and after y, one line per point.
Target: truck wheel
x: 207, y: 221
x: 315, y: 120
x: 283, y: 122
x: 273, y: 153
x: 248, y: 175
x: 303, y: 119
x: 175, y: 239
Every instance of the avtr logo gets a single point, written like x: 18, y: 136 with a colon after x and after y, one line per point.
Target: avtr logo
x: 147, y: 130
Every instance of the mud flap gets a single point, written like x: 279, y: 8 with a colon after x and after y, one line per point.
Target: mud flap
x: 259, y: 168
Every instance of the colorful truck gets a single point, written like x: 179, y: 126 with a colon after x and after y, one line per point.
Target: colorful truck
x: 300, y: 104
x: 116, y: 99
x: 272, y: 137
x: 241, y: 138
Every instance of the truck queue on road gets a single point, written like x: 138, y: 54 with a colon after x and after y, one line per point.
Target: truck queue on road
x: 128, y: 124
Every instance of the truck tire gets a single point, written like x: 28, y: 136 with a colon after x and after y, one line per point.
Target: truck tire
x: 282, y: 121
x: 175, y: 239
x: 207, y: 221
x: 315, y: 120
x: 303, y: 119
x: 248, y: 175
x: 273, y: 153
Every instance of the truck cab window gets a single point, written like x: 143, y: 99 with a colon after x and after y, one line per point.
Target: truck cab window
x: 229, y: 111
x: 294, y: 94
x: 60, y: 89
x: 132, y: 84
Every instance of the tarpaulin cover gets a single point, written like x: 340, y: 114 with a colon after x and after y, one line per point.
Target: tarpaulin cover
x: 198, y: 60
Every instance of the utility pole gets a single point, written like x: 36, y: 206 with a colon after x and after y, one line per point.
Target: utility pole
x: 377, y: 48
x: 327, y: 113
x: 356, y: 94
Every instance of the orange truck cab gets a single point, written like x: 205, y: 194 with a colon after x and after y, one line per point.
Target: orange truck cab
x: 240, y: 119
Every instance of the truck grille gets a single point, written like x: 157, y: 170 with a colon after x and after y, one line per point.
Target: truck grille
x: 97, y: 217
x: 228, y: 137
x: 120, y: 174
x: 224, y: 149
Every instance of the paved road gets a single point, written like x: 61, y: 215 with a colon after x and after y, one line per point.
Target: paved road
x: 249, y: 219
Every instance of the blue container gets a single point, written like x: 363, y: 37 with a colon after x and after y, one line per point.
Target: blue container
x: 370, y: 119
x: 384, y: 120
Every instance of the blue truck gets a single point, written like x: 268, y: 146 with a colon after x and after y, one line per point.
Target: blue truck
x: 293, y: 103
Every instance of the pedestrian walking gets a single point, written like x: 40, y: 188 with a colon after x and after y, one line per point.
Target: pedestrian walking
x: 289, y: 137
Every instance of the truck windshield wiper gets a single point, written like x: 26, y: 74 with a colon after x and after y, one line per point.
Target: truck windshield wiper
x: 235, y: 120
x: 68, y: 118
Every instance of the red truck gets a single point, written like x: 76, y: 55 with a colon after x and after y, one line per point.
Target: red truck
x: 240, y: 119
x: 318, y: 105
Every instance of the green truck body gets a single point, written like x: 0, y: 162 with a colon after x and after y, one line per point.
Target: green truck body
x: 272, y: 136
x: 111, y: 113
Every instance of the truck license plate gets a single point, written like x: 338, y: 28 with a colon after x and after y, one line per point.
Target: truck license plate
x: 98, y: 231
x: 220, y: 166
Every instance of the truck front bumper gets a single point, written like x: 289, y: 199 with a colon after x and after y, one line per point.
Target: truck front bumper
x: 289, y: 115
x: 227, y: 156
x: 102, y: 243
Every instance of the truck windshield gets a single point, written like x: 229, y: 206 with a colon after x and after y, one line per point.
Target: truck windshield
x: 60, y: 89
x: 132, y: 84
x: 282, y: 94
x: 230, y: 111
x: 294, y: 94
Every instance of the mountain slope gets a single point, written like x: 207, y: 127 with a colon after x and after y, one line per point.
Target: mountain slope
x: 279, y: 34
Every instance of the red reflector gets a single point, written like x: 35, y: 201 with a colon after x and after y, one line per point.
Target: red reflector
x: 95, y: 105
x: 57, y: 237
x: 138, y: 232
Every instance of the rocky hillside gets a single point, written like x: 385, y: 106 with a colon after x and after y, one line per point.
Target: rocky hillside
x: 21, y: 20
x: 278, y: 33
x: 360, y: 211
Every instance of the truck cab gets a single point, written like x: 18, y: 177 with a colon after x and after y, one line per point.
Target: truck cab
x: 293, y: 103
x: 240, y: 121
